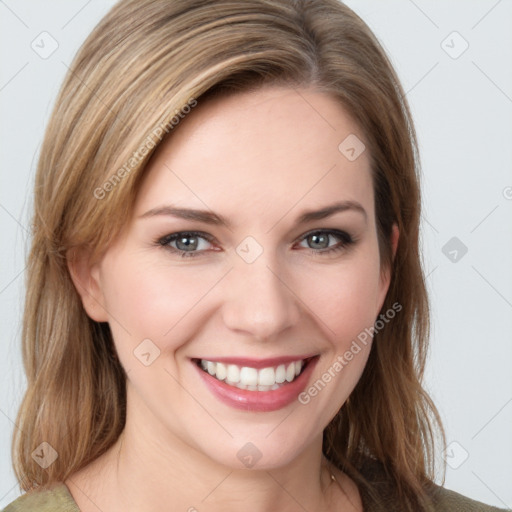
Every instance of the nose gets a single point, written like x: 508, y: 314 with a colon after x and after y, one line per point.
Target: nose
x: 259, y: 300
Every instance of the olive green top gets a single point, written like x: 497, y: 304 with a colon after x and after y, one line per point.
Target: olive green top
x: 59, y: 499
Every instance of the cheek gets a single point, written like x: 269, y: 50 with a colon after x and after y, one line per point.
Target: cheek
x: 151, y: 301
x: 344, y: 301
x: 343, y: 297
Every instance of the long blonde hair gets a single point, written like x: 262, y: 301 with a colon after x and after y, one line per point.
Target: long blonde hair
x: 139, y: 67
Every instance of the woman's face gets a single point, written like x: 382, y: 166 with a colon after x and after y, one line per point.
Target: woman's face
x: 249, y: 288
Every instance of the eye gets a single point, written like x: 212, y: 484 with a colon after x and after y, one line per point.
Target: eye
x: 187, y: 243
x: 319, y: 241
x: 194, y: 243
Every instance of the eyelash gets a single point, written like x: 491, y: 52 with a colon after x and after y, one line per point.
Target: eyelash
x: 346, y: 241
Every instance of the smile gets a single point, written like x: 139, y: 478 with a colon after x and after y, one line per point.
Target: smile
x: 256, y: 385
x: 254, y: 379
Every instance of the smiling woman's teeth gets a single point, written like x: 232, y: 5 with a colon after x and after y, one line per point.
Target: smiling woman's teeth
x: 252, y: 379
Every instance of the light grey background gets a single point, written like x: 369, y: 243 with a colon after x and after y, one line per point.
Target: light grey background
x: 462, y: 105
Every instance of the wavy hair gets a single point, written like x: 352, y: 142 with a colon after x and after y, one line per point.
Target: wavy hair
x: 141, y: 65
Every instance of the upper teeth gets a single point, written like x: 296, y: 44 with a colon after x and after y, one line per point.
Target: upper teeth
x: 252, y: 377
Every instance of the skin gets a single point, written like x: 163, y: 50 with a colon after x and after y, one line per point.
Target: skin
x: 260, y: 159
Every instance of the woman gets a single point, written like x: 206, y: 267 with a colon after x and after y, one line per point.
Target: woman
x: 225, y: 300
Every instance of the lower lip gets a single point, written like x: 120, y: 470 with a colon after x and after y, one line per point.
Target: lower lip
x: 258, y: 401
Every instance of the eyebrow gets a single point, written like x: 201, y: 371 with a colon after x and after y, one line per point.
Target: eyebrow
x: 209, y: 217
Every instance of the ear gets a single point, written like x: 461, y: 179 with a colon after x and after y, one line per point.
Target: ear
x: 85, y: 277
x: 385, y: 279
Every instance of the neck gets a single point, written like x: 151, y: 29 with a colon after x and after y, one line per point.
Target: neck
x: 151, y: 469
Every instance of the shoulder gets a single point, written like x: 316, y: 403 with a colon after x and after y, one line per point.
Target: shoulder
x: 450, y: 501
x: 56, y: 499
x: 443, y: 500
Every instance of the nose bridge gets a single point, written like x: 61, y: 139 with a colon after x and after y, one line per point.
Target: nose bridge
x: 258, y: 299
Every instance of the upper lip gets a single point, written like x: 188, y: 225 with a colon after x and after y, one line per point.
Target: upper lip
x: 257, y: 363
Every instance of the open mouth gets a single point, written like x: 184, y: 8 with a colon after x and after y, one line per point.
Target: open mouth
x: 254, y: 379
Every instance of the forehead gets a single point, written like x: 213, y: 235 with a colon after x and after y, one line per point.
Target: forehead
x: 259, y: 154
